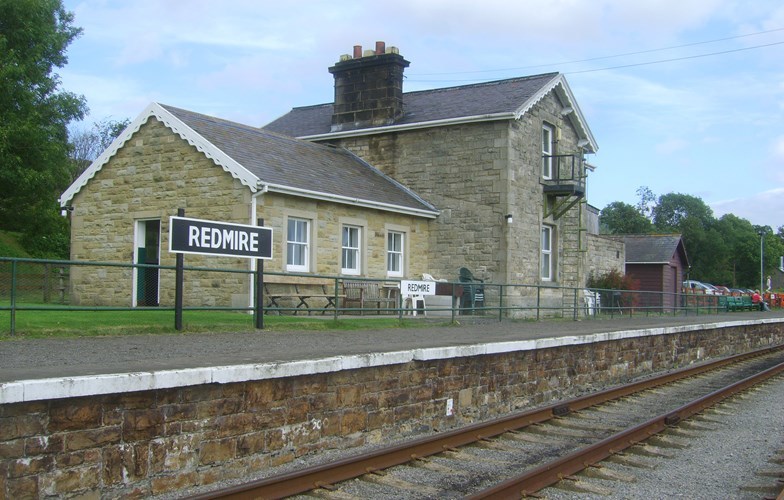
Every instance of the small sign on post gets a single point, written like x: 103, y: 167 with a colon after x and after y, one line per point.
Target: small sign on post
x: 417, y: 287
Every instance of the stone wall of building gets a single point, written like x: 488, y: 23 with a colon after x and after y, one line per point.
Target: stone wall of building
x: 476, y: 174
x: 150, y: 177
x: 329, y: 218
x: 458, y: 169
x: 145, y: 443
x: 605, y: 253
x: 155, y: 173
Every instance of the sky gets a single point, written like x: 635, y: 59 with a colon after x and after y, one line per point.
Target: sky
x: 682, y: 96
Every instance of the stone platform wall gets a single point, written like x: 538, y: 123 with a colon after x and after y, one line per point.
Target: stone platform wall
x: 141, y: 444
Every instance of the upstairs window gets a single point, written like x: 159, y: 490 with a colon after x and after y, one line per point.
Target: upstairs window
x: 350, y: 258
x: 298, y: 245
x: 548, y: 134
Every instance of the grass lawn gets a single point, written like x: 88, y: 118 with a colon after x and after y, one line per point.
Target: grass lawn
x: 43, y: 324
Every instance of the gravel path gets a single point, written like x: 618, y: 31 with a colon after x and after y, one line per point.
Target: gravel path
x: 722, y: 462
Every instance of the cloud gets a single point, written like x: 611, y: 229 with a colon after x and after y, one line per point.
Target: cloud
x: 114, y: 96
x: 765, y: 208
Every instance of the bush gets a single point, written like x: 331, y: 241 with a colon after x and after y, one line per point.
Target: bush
x: 613, y: 280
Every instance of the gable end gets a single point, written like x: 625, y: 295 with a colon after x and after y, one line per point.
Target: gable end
x: 178, y: 127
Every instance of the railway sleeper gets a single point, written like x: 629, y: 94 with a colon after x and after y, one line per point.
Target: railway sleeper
x: 668, y: 442
x: 400, y: 484
x: 694, y: 426
x: 583, y: 426
x: 627, y: 461
x: 647, y: 450
x: 573, y: 485
x: 608, y: 474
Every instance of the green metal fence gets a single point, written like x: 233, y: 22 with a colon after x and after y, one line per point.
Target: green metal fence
x: 73, y: 286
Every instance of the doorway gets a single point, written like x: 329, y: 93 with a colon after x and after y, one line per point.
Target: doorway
x: 147, y: 251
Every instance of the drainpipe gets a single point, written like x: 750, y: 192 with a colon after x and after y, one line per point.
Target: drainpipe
x: 263, y: 188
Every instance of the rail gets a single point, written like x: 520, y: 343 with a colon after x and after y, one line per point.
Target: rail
x: 76, y: 286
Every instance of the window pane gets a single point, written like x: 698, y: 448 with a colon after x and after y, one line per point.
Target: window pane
x: 545, y: 266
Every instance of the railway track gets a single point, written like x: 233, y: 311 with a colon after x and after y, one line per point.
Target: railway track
x: 523, y: 453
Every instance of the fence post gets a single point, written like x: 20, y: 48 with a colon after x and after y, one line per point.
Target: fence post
x: 179, y: 278
x: 455, y: 306
x: 61, y: 272
x: 46, y: 284
x: 538, y: 300
x: 400, y: 301
x: 259, y: 309
x: 13, y: 297
x: 337, y: 304
x: 575, y: 304
x: 500, y: 302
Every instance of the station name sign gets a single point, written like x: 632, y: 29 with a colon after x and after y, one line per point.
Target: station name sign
x: 417, y: 287
x: 219, y: 238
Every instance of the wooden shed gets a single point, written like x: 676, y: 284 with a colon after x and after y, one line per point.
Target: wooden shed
x: 658, y: 262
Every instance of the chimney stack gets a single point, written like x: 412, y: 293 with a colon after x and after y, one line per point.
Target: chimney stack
x: 368, y: 88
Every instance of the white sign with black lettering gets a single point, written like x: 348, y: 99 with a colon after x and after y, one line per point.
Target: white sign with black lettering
x: 219, y: 238
x: 417, y: 287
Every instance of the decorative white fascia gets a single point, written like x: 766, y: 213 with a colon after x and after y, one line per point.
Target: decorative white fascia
x: 346, y: 200
x: 561, y: 87
x: 178, y: 127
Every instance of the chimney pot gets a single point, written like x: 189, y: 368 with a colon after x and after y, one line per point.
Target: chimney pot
x: 380, y: 48
x: 357, y: 51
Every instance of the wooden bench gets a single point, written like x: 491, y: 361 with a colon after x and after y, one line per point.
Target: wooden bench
x: 365, y: 293
x: 301, y: 291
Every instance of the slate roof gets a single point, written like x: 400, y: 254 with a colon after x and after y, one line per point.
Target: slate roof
x: 653, y: 248
x: 498, y: 99
x: 260, y: 158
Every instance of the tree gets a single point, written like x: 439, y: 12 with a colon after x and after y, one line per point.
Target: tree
x: 674, y: 208
x: 742, y: 242
x: 621, y: 218
x: 88, y: 144
x: 647, y: 201
x: 34, y: 112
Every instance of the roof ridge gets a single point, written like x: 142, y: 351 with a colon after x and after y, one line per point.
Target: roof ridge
x: 487, y: 83
x: 453, y: 87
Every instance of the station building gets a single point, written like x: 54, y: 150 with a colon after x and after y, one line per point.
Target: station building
x: 380, y: 184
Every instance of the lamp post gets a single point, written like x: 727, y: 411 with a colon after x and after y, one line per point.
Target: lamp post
x: 761, y: 233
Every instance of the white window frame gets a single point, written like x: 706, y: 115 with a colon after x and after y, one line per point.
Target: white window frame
x: 546, y: 267
x: 351, y: 248
x: 395, y: 255
x: 548, y: 134
x: 301, y: 241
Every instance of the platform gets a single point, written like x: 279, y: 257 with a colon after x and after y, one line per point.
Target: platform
x: 38, y: 369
